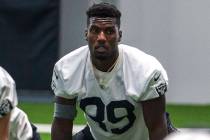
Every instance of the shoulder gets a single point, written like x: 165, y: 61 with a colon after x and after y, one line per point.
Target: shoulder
x: 5, y: 79
x: 74, y: 56
x: 73, y: 61
x: 8, y: 95
x: 136, y: 57
x: 4, y: 74
x: 69, y: 72
x: 139, y: 70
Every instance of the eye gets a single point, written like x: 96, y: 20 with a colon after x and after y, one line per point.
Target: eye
x: 109, y: 31
x: 94, y: 30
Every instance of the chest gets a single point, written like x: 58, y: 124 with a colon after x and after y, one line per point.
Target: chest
x: 109, y: 108
x: 108, y: 90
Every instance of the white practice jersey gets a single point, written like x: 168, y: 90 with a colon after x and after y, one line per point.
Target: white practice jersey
x: 8, y: 95
x: 110, y: 100
x: 19, y: 127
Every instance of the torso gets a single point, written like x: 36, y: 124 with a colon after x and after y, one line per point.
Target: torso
x: 110, y: 112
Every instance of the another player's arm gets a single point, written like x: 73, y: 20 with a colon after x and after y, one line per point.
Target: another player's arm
x: 65, y: 111
x: 154, y: 116
x: 4, y: 127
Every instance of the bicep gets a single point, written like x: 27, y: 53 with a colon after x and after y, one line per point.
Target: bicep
x: 4, y: 127
x: 153, y: 109
x: 154, y: 115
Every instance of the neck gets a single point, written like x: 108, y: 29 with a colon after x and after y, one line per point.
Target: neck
x: 105, y: 65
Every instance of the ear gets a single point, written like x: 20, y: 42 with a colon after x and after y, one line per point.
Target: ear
x: 120, y: 36
x: 86, y: 34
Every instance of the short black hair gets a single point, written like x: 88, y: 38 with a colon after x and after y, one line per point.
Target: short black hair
x: 103, y: 10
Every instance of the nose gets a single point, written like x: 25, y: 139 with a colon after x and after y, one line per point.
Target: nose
x: 101, y: 36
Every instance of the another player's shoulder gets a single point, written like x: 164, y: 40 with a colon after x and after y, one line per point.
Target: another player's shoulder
x: 8, y: 96
x: 3, y: 72
x: 137, y: 57
x: 5, y: 78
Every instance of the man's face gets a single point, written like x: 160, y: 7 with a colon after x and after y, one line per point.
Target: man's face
x: 103, y: 36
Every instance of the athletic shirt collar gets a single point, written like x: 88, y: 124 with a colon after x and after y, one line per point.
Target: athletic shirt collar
x: 103, y: 78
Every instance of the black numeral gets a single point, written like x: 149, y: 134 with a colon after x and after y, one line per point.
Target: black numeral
x: 99, y: 112
x: 111, y: 116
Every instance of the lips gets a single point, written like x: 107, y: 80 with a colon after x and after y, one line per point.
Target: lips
x: 101, y: 48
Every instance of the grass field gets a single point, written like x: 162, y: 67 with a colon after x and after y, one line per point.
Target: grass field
x: 184, y: 116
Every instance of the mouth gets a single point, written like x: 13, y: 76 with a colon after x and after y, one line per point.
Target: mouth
x: 101, y: 48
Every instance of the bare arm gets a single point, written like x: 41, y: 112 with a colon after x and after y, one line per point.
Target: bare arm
x: 154, y: 116
x: 4, y: 127
x: 62, y: 127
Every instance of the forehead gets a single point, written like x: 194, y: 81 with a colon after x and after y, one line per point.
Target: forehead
x: 107, y: 21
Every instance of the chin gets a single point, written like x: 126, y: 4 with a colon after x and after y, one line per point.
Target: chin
x: 101, y: 57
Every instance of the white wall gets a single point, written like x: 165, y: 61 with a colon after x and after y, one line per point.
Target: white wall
x: 72, y: 24
x: 177, y: 32
x: 190, y: 51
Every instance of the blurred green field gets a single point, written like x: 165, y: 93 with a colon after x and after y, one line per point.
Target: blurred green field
x: 182, y: 116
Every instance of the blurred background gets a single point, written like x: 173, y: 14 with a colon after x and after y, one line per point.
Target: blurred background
x: 35, y: 34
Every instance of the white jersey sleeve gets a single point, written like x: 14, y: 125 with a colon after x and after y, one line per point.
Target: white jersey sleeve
x: 20, y: 127
x: 156, y: 85
x: 144, y: 76
x: 68, y: 74
x: 8, y: 95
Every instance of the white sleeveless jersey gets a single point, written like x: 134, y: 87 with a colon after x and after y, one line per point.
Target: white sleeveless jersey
x: 19, y: 127
x: 111, y: 100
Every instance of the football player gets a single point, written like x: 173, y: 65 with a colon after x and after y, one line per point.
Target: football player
x: 120, y: 88
x: 14, y: 123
